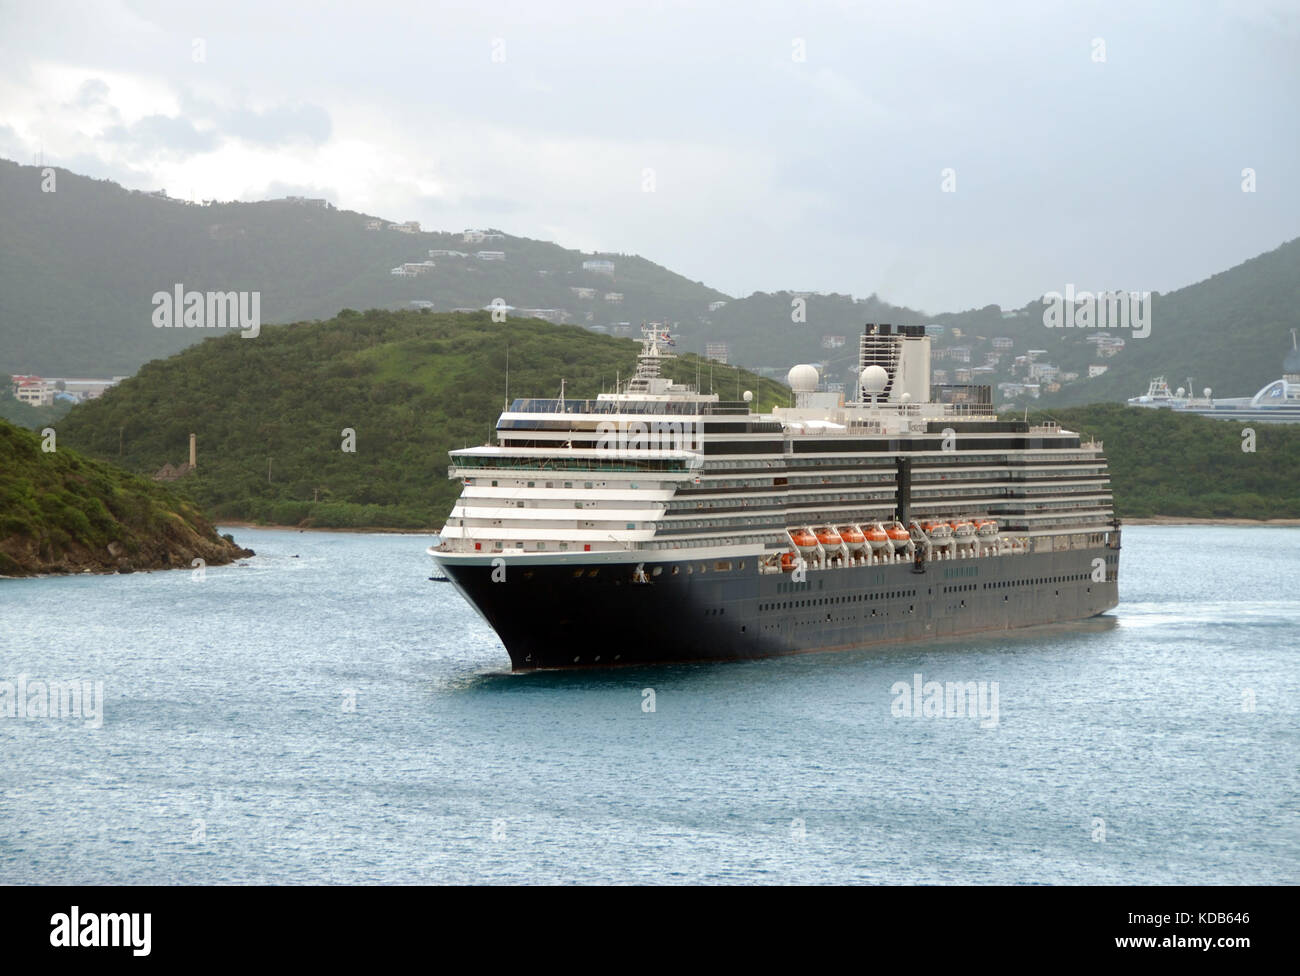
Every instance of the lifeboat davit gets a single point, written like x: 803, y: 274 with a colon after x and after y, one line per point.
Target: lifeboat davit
x: 877, y: 537
x: 853, y: 538
x: 898, y: 535
x: 804, y: 539
x: 828, y: 537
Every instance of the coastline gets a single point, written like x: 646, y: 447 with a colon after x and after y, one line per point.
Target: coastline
x: 365, y: 530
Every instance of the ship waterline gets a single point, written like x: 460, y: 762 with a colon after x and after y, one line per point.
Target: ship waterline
x: 611, y: 613
x: 661, y: 525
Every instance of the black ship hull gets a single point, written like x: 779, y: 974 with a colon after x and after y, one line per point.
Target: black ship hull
x: 614, y: 613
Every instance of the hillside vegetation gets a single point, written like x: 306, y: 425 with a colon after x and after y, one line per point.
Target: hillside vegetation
x: 1162, y: 463
x: 63, y: 513
x: 410, y: 385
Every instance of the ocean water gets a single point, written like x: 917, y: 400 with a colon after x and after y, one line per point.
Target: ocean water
x: 325, y: 714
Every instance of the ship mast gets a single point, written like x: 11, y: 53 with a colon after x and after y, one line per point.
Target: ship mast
x: 653, y: 343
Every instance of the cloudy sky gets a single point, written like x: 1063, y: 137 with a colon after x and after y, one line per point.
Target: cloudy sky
x: 753, y: 146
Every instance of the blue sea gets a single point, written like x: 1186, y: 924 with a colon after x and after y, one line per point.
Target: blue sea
x: 325, y: 714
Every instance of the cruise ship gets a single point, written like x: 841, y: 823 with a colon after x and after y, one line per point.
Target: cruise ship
x: 660, y: 524
x: 1276, y: 402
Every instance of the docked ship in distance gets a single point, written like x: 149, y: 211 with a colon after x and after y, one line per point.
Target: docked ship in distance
x: 1276, y: 402
x: 661, y: 524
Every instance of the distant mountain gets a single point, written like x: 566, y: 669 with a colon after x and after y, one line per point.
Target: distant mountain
x: 1229, y: 332
x: 784, y: 328
x: 79, y: 267
x: 271, y: 413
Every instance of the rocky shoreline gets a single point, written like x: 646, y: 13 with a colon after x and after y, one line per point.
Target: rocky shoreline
x: 173, y: 551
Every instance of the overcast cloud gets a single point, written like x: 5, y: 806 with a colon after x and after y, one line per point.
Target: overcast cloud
x: 769, y: 172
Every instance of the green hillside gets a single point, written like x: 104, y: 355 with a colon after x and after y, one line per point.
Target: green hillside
x: 63, y: 513
x: 1163, y: 463
x: 79, y: 267
x: 411, y: 385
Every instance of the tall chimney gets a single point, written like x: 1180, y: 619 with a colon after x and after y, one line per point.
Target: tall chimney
x: 194, y: 462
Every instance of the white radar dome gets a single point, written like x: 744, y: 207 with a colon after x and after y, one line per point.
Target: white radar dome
x: 906, y: 398
x: 1180, y: 391
x: 873, y: 379
x: 1206, y: 393
x: 749, y: 396
x: 803, y: 378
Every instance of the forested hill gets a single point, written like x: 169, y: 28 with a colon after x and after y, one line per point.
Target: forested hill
x: 410, y: 385
x: 79, y: 267
x: 63, y: 513
x: 1163, y: 463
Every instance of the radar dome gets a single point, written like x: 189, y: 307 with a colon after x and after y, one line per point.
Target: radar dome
x: 803, y: 378
x: 906, y: 398
x: 1180, y: 392
x: 749, y: 396
x: 1206, y: 393
x: 873, y: 379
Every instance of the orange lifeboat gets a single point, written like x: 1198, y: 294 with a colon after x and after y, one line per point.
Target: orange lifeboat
x: 898, y: 535
x: 962, y: 529
x: 788, y: 561
x: 828, y: 537
x: 803, y: 539
x: 877, y: 537
x: 986, y: 528
x: 853, y: 538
